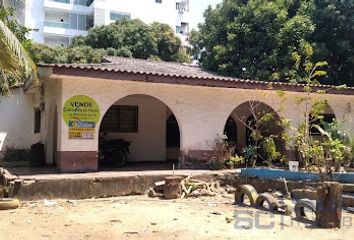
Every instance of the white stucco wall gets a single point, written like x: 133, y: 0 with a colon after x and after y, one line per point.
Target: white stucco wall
x: 17, y: 121
x: 149, y: 143
x: 34, y: 19
x: 200, y: 111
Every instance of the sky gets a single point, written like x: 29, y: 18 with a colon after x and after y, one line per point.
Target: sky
x: 197, y: 8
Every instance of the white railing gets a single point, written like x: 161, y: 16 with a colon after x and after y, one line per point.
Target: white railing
x: 76, y: 2
x: 56, y: 24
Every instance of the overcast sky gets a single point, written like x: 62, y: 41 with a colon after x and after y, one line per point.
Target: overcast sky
x: 197, y: 8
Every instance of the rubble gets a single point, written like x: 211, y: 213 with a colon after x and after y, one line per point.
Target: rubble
x: 190, y: 187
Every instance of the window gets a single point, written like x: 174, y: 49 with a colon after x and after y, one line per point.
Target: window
x: 184, y: 28
x: 82, y: 2
x: 178, y: 6
x: 178, y: 29
x: 120, y: 118
x: 119, y: 16
x: 158, y: 1
x: 37, y: 120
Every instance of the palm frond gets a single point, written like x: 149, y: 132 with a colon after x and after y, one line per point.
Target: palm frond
x: 14, y: 60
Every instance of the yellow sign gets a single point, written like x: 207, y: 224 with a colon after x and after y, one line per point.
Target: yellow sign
x: 81, y: 133
x: 81, y: 114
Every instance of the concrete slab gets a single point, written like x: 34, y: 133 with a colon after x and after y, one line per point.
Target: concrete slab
x: 47, y: 184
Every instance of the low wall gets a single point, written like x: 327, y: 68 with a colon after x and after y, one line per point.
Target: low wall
x: 95, y: 185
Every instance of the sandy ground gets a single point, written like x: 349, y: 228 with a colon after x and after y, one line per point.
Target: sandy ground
x: 140, y: 217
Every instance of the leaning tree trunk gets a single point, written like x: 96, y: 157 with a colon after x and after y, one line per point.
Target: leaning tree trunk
x: 172, y: 188
x: 329, y: 205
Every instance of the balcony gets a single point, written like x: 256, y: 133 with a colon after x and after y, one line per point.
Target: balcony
x: 86, y: 3
x: 63, y: 30
x: 66, y: 24
x: 56, y: 24
x: 84, y: 7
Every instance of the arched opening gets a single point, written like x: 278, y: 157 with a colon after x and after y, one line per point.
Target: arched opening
x: 327, y: 116
x: 230, y: 130
x: 149, y: 126
x: 254, y: 119
x: 172, y: 138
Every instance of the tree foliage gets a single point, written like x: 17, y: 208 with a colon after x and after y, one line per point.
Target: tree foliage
x: 124, y: 38
x: 134, y: 38
x: 77, y: 54
x: 256, y: 38
x: 15, y: 64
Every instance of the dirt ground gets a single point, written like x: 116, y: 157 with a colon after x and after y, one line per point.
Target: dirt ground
x: 140, y: 217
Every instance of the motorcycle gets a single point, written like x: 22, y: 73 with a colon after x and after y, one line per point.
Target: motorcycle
x: 113, y: 152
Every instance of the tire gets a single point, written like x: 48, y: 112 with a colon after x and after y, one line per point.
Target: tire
x: 118, y: 157
x: 246, y: 190
x: 300, y: 208
x: 9, y: 203
x: 270, y: 200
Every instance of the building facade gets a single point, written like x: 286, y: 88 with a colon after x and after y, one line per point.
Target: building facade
x: 168, y: 111
x: 58, y: 21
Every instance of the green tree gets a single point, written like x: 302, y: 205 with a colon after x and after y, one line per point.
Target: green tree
x: 134, y: 38
x: 15, y: 63
x: 334, y: 39
x: 77, y: 54
x: 333, y: 149
x: 255, y: 38
x: 168, y: 44
x: 134, y: 35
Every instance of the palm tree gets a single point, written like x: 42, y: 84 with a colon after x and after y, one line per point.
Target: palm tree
x: 16, y: 66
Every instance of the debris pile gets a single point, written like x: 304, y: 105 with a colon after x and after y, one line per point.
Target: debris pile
x: 187, y: 187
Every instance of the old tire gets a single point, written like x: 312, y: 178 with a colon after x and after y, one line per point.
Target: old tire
x: 269, y: 199
x: 246, y: 190
x: 300, y: 208
x: 9, y: 203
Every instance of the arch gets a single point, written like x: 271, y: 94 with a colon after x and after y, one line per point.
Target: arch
x: 249, y: 115
x: 106, y: 106
x: 141, y: 120
x: 328, y: 117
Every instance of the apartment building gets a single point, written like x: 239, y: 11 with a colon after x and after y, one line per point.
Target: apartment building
x: 58, y: 21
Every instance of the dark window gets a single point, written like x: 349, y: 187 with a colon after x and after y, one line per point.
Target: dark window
x: 328, y: 118
x: 231, y: 130
x: 178, y: 5
x: 37, y: 121
x: 120, y: 119
x: 172, y: 132
x: 158, y: 1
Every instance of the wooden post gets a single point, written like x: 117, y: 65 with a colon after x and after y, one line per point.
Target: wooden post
x: 329, y: 205
x: 172, y: 188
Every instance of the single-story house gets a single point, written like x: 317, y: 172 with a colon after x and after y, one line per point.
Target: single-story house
x: 166, y: 110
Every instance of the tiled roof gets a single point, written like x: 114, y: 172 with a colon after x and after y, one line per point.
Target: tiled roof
x: 177, y: 70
